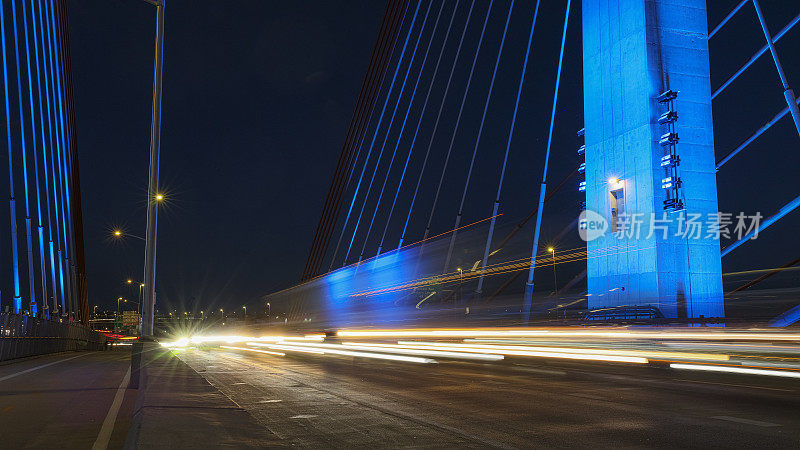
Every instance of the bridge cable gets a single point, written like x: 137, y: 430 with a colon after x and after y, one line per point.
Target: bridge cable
x: 50, y: 221
x: 416, y: 131
x: 378, y: 125
x: 383, y: 111
x: 29, y: 237
x: 478, y: 140
x: 390, y: 27
x: 42, y: 253
x: 405, y: 119
x: 543, y: 187
x: 496, y: 205
x: 66, y: 200
x: 55, y: 156
x: 438, y: 116
x: 361, y: 142
x: 34, y: 305
x: 371, y: 87
x: 458, y: 120
x: 12, y: 200
x: 394, y: 112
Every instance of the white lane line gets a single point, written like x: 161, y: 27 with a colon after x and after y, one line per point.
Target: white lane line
x: 303, y: 416
x: 40, y: 367
x: 108, y: 424
x: 747, y: 386
x: 589, y: 396
x: 757, y: 423
x: 524, y: 368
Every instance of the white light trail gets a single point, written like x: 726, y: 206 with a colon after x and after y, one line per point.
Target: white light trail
x: 335, y: 350
x: 740, y: 370
x: 287, y: 348
x: 586, y: 351
x: 389, y: 348
x: 253, y: 350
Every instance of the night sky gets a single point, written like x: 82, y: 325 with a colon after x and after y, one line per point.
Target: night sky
x: 257, y: 99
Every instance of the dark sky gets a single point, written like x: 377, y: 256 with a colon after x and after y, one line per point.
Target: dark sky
x: 257, y: 99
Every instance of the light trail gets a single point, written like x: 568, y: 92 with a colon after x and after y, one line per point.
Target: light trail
x: 738, y: 370
x: 652, y: 354
x: 494, y: 269
x: 522, y: 352
x: 235, y: 339
x: 389, y: 348
x: 253, y: 350
x: 326, y: 349
x: 562, y: 355
x: 550, y: 333
x: 288, y: 348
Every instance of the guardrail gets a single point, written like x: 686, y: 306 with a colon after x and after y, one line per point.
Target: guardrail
x: 22, y: 336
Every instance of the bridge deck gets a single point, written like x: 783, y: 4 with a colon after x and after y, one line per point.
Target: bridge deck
x: 340, y: 402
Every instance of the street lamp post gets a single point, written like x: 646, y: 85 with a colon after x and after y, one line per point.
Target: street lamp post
x: 153, y: 195
x: 555, y: 282
x: 460, y: 273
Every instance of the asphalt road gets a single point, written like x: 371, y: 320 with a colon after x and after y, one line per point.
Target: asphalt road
x: 63, y: 401
x: 344, y: 402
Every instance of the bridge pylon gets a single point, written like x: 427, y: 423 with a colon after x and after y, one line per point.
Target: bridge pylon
x: 649, y: 153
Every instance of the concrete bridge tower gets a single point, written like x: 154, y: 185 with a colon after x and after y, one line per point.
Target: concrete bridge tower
x: 649, y: 150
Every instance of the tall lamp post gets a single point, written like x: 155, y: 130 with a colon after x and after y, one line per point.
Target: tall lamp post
x: 153, y: 195
x: 555, y: 283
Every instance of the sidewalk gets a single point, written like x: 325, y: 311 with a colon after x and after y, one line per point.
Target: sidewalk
x: 178, y: 408
x: 63, y: 400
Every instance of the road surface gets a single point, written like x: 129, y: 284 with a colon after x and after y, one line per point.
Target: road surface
x: 345, y: 402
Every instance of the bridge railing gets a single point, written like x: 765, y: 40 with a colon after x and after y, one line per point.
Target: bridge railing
x: 22, y: 335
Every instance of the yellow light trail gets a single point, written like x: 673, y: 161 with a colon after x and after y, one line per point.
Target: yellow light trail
x: 550, y: 333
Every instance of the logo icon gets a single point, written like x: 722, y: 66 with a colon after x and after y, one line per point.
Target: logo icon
x: 591, y: 225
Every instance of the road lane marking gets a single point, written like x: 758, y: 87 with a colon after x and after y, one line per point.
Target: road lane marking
x: 303, y: 416
x: 524, y: 368
x: 270, y: 401
x: 40, y: 367
x: 589, y: 396
x: 733, y: 385
x: 108, y: 424
x: 757, y: 423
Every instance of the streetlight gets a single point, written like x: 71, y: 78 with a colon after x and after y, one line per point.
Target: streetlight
x: 555, y: 282
x: 202, y: 315
x: 245, y: 311
x: 119, y: 234
x: 152, y: 185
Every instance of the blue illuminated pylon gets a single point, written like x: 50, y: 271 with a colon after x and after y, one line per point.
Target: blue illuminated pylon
x: 665, y: 50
